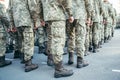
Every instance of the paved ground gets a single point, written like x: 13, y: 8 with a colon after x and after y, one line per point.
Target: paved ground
x: 104, y: 65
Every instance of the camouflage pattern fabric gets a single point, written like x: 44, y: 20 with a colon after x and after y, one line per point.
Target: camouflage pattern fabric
x: 54, y: 14
x: 23, y: 15
x: 2, y: 31
x: 77, y: 30
x: 27, y: 37
x: 56, y: 39
x: 107, y: 14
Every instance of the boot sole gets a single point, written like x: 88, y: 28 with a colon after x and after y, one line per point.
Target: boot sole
x: 58, y: 76
x: 50, y: 64
x: 5, y: 65
x: 28, y: 70
x: 70, y: 63
x: 82, y: 66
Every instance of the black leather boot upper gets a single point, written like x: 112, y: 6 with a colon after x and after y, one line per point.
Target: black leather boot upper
x: 4, y: 62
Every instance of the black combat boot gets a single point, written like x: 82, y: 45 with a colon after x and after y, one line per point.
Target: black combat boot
x: 99, y: 44
x: 60, y: 71
x: 41, y: 49
x: 109, y: 38
x: 71, y: 58
x: 87, y: 52
x: 105, y: 40
x: 112, y: 34
x: 50, y: 60
x: 95, y: 48
x: 102, y: 41
x: 90, y: 47
x: 81, y: 63
x: 45, y: 48
x: 4, y: 62
x: 8, y: 50
x: 11, y: 47
x: 29, y: 66
x: 22, y: 58
x: 17, y: 54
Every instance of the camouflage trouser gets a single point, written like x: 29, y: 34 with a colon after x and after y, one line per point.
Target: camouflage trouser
x: 109, y: 30
x: 71, y: 36
x: 95, y: 34
x: 2, y: 41
x: 113, y: 28
x: 87, y: 41
x: 102, y: 31
x: 90, y: 34
x: 106, y: 30
x: 8, y: 39
x: 25, y: 34
x: 80, y: 31
x: 99, y: 33
x: 47, y: 33
x: 56, y: 39
x: 18, y: 41
x: 41, y: 37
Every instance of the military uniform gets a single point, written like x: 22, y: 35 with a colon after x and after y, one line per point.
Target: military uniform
x: 24, y: 11
x: 110, y: 22
x: 101, y: 27
x: 96, y: 22
x: 77, y: 31
x: 40, y: 34
x: 3, y: 35
x: 114, y: 20
x: 107, y: 19
x: 87, y: 39
x: 53, y: 14
x: 15, y: 34
x: 44, y: 45
x: 90, y: 38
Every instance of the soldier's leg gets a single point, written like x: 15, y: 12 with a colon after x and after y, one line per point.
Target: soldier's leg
x: 109, y: 31
x: 113, y: 29
x: 3, y: 62
x: 9, y: 44
x: 27, y: 47
x: 18, y: 45
x: 41, y: 39
x: 80, y: 43
x: 87, y: 40
x: 100, y: 35
x: 95, y: 36
x: 71, y: 41
x: 56, y: 37
x: 45, y: 39
x: 102, y: 31
x: 48, y: 45
x: 105, y: 33
x: 112, y: 33
x: 90, y: 39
